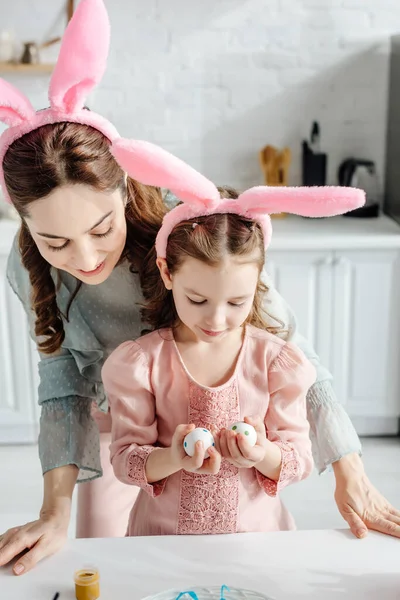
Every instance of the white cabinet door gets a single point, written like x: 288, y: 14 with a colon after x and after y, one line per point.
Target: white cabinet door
x: 18, y: 380
x: 305, y: 281
x: 366, y: 338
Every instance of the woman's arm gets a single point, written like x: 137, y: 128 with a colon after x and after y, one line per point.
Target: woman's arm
x: 68, y: 441
x: 335, y: 441
x: 331, y: 431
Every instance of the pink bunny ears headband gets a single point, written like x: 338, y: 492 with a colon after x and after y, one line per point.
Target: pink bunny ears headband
x: 151, y: 165
x: 80, y: 67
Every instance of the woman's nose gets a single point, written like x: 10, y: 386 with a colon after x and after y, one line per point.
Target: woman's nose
x: 86, y: 258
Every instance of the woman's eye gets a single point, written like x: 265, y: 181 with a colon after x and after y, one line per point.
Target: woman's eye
x: 105, y: 234
x: 237, y: 305
x: 58, y: 248
x: 196, y: 301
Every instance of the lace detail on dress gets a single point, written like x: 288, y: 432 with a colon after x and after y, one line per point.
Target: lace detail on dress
x: 290, y: 470
x: 136, y: 463
x: 209, y: 503
x: 213, y: 407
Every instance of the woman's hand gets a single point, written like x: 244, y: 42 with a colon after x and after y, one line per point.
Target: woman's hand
x: 360, y: 503
x: 235, y: 448
x: 41, y: 538
x: 48, y: 534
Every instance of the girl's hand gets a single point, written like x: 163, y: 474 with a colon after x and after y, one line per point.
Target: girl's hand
x: 42, y: 538
x: 235, y: 448
x: 360, y: 503
x: 196, y: 463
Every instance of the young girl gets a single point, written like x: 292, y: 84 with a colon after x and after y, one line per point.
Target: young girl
x: 212, y: 360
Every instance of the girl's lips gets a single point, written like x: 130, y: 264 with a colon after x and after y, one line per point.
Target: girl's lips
x: 211, y: 333
x: 95, y: 271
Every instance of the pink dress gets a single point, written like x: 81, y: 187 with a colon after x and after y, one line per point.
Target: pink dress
x: 150, y: 392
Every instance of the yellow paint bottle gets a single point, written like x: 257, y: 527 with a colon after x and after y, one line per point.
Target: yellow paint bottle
x: 87, y: 584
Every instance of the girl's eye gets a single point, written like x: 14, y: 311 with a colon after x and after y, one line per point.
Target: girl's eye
x: 196, y: 302
x: 58, y: 248
x: 105, y: 234
x: 237, y: 305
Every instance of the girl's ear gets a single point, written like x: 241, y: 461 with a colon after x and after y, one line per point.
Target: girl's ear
x: 164, y: 272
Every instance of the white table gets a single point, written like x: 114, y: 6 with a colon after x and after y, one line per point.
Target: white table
x: 303, y: 564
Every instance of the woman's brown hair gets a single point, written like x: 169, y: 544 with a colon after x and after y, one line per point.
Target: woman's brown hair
x: 61, y: 154
x: 209, y: 239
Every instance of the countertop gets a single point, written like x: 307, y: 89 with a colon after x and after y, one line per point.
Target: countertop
x: 336, y: 233
x: 282, y: 565
x: 296, y: 233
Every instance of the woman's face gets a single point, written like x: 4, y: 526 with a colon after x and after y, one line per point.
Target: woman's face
x: 80, y: 230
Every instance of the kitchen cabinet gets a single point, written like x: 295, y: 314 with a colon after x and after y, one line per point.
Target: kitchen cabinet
x: 19, y: 413
x: 347, y: 303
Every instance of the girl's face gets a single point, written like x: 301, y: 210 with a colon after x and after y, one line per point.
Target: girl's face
x: 212, y: 301
x: 80, y: 230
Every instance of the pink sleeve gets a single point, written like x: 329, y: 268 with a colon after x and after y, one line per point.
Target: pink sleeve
x: 126, y: 378
x: 290, y: 376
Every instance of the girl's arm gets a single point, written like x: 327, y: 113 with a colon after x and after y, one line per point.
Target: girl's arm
x: 135, y: 458
x: 290, y: 376
x: 126, y: 379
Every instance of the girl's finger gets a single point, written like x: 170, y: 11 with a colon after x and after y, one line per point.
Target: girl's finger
x: 223, y: 444
x: 233, y: 447
x: 198, y: 457
x: 181, y: 432
x: 245, y: 449
x: 214, y: 463
x: 217, y: 438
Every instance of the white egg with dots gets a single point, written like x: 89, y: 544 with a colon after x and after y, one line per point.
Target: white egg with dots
x: 247, y: 430
x: 199, y: 434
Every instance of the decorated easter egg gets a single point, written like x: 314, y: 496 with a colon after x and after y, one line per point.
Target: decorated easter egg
x: 247, y: 430
x: 198, y: 435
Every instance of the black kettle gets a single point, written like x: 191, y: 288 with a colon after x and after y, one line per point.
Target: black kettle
x: 361, y: 173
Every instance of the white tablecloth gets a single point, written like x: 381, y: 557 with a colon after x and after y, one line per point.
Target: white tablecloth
x: 289, y: 565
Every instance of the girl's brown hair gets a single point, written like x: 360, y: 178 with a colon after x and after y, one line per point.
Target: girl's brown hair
x: 209, y: 239
x: 68, y: 153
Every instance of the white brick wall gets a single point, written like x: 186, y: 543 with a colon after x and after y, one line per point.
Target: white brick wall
x: 214, y: 80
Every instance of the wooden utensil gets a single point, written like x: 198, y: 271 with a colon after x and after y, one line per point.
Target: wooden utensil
x: 275, y: 166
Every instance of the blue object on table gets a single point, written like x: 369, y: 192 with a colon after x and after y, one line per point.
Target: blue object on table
x: 193, y: 595
x: 223, y: 588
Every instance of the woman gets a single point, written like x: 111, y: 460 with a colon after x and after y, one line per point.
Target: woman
x: 76, y: 266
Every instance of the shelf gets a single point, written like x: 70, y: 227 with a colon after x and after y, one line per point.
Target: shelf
x: 22, y: 68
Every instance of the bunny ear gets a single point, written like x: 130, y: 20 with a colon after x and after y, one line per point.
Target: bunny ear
x: 322, y: 201
x: 151, y: 165
x: 15, y: 108
x: 83, y: 56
